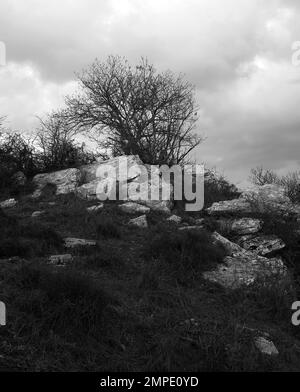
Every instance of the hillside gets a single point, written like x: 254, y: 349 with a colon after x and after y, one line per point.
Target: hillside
x: 203, y: 291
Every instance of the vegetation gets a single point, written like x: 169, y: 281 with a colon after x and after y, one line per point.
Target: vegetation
x: 136, y: 110
x: 290, y: 182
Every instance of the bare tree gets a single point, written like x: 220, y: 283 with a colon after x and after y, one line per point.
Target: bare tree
x: 136, y: 110
x: 55, y: 138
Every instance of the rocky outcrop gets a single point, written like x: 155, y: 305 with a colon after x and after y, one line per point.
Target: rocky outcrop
x: 66, y: 181
x: 242, y: 267
x: 255, y: 199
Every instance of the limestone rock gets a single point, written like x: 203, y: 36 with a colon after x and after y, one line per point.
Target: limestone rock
x: 262, y: 244
x: 268, y: 193
x: 141, y: 222
x: 94, y: 171
x: 65, y: 181
x: 8, y: 203
x: 60, y: 260
x: 189, y: 228
x: 37, y: 214
x: 175, y: 219
x: 74, y: 242
x: 266, y: 346
x: 230, y: 207
x: 133, y: 208
x: 242, y: 267
x: 245, y: 269
x: 95, y: 208
x: 246, y: 226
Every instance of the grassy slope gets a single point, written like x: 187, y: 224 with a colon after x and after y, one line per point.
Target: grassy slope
x: 115, y: 308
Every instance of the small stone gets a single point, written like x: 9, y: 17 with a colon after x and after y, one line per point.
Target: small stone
x: 141, y: 222
x: 175, y: 219
x: 95, y: 208
x: 266, y: 346
x: 60, y: 260
x: 8, y: 203
x: 37, y: 214
x: 73, y: 242
x: 132, y: 208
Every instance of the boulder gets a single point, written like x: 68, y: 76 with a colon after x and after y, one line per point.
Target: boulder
x: 261, y: 244
x: 66, y: 181
x: 8, y: 203
x: 133, y: 208
x: 246, y: 226
x: 93, y: 171
x: 141, y: 222
x: 74, y: 242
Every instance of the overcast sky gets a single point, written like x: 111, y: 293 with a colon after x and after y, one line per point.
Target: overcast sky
x: 237, y: 53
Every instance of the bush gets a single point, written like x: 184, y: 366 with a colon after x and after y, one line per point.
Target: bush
x: 217, y: 188
x: 290, y: 182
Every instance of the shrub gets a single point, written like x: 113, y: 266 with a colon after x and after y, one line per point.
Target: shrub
x: 290, y: 182
x: 217, y: 188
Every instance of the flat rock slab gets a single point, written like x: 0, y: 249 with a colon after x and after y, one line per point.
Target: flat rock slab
x: 244, y: 270
x: 141, y: 222
x: 230, y: 207
x: 242, y: 267
x: 74, y: 242
x: 60, y: 260
x: 133, y: 208
x: 246, y: 226
x: 266, y: 346
x: 189, y: 228
x: 96, y: 208
x: 65, y: 181
x: 262, y: 244
x: 8, y: 203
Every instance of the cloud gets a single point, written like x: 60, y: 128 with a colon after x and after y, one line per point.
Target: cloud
x: 237, y: 53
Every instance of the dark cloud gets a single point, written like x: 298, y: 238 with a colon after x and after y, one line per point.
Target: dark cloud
x: 237, y: 53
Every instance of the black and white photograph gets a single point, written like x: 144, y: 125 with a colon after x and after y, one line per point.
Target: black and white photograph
x: 149, y: 190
